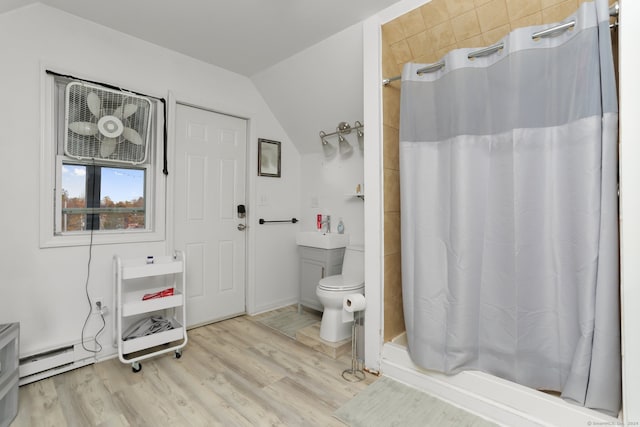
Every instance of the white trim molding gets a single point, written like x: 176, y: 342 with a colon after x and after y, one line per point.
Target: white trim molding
x: 629, y: 89
x: 155, y: 188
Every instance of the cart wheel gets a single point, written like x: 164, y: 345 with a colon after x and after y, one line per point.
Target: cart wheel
x: 136, y: 366
x: 178, y: 354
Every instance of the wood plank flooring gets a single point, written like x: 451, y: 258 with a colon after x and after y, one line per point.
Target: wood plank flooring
x: 233, y: 373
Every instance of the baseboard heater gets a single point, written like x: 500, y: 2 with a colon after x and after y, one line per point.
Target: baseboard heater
x: 52, y: 362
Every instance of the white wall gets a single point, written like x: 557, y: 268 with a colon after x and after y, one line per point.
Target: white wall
x: 43, y: 289
x: 315, y: 90
x: 276, y: 266
x: 327, y: 186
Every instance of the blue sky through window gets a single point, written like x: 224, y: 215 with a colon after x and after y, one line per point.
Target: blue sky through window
x: 118, y: 183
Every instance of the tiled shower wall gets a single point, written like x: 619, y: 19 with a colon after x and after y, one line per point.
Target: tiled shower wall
x: 424, y: 35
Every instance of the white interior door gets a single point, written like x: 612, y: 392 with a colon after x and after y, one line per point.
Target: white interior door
x: 210, y: 184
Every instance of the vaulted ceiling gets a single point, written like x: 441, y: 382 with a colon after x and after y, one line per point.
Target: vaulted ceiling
x: 244, y: 36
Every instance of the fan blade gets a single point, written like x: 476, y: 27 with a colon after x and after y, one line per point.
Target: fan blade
x: 132, y: 136
x: 108, y: 146
x: 94, y: 104
x: 84, y: 128
x: 129, y: 109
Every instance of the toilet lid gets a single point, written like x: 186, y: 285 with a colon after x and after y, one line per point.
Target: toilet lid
x: 337, y: 283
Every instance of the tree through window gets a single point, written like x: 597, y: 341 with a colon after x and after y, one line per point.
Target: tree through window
x: 97, y: 197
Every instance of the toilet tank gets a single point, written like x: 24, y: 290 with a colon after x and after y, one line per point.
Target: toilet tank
x: 353, y: 265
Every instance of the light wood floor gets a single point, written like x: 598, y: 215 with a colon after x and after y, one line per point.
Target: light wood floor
x: 233, y: 373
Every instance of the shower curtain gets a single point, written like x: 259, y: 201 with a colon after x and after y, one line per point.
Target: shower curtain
x: 508, y: 175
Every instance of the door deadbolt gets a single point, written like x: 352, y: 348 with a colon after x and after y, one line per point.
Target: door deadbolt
x: 242, y: 211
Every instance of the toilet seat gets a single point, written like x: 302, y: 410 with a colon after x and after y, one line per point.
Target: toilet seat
x: 337, y: 283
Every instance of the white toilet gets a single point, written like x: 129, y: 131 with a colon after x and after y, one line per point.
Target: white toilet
x: 331, y: 291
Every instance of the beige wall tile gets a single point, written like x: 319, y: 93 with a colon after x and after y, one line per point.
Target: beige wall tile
x: 392, y: 275
x: 559, y: 12
x: 492, y: 15
x: 434, y: 13
x: 520, y: 8
x: 396, y: 72
x: 392, y: 31
x: 394, y: 321
x: 394, y: 324
x: 457, y: 7
x: 394, y: 315
x: 466, y: 25
x: 477, y: 41
x: 412, y: 23
x: 391, y: 147
x: 391, y: 107
x: 391, y: 190
x: 442, y: 35
x: 427, y: 59
x: 420, y: 44
x: 548, y: 3
x: 527, y: 21
x: 389, y: 65
x: 391, y: 233
x: 393, y: 69
x: 442, y: 52
x: 493, y: 36
x: 394, y: 312
x: 401, y: 51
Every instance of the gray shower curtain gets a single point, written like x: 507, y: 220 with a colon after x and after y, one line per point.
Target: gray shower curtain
x: 509, y: 212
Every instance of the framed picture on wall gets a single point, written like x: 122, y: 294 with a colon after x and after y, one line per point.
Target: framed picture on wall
x: 269, y: 158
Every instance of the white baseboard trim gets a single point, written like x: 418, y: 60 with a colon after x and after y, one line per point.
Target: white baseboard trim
x: 56, y: 361
x: 489, y: 397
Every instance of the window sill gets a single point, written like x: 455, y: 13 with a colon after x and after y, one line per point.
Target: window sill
x: 101, y: 238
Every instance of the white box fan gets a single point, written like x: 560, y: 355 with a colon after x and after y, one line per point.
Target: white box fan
x: 106, y: 124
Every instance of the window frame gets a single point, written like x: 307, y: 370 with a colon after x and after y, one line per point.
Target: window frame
x: 62, y: 160
x: 51, y: 174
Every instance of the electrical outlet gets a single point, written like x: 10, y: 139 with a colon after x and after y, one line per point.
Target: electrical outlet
x: 98, y: 305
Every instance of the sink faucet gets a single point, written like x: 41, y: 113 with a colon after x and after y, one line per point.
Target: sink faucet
x: 326, y: 220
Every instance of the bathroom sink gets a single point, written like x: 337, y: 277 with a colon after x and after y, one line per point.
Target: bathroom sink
x: 322, y: 241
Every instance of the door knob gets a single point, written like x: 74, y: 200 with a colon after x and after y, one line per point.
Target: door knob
x: 241, y: 227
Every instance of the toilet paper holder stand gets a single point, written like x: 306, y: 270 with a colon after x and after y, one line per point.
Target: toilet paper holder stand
x: 354, y: 374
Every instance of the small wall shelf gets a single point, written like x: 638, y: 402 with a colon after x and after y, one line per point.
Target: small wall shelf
x: 358, y: 195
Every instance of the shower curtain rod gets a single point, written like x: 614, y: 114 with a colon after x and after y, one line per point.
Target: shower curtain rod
x: 614, y: 10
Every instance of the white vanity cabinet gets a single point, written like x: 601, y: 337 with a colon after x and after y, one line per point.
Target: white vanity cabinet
x: 315, y: 264
x: 135, y: 280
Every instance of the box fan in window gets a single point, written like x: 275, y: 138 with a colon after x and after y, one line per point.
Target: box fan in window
x: 106, y: 124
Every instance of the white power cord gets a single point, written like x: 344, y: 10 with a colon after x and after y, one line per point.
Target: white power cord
x: 86, y: 290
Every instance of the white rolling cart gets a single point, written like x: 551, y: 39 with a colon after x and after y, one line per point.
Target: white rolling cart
x: 136, y: 277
